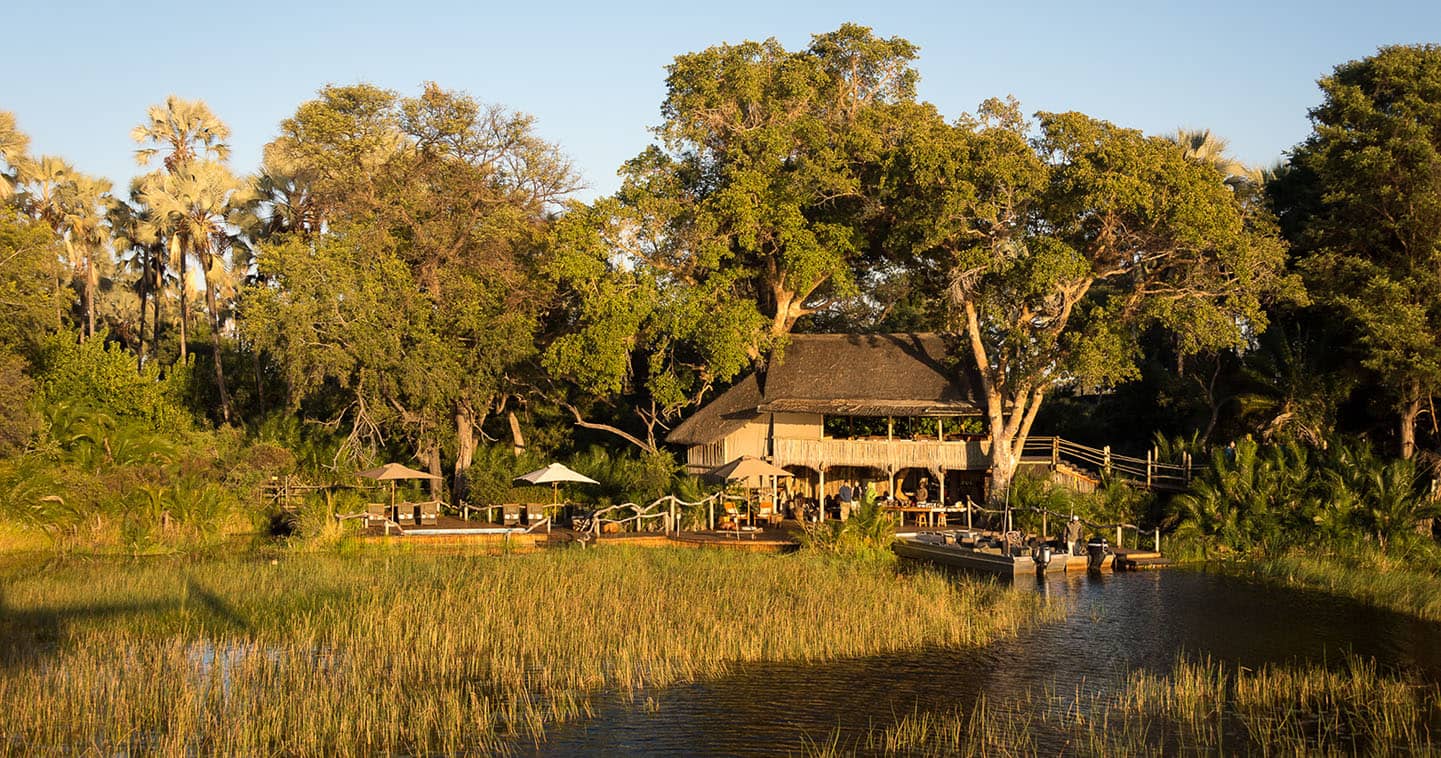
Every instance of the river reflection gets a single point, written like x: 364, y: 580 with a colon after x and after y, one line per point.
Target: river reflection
x: 1114, y: 623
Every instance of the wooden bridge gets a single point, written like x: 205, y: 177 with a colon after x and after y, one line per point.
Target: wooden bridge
x: 1085, y: 466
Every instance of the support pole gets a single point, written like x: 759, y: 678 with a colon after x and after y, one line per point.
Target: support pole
x: 968, y: 514
x: 1118, y: 535
x: 821, y: 500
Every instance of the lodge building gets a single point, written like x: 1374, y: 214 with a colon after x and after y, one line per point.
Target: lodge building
x: 891, y: 410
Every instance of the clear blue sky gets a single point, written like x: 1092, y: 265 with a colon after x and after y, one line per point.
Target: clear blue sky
x: 80, y: 74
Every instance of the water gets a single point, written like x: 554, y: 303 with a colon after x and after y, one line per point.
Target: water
x: 1115, y: 623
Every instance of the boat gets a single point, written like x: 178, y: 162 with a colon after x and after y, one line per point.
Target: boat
x: 968, y: 550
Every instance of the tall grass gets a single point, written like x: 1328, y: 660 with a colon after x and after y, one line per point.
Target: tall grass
x: 412, y: 654
x: 1202, y: 706
x: 1406, y: 585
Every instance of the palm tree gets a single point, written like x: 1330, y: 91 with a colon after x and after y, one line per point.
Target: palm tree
x: 198, y: 202
x: 140, y: 244
x: 85, y: 203
x: 1204, y: 146
x: 183, y: 130
x: 13, y: 147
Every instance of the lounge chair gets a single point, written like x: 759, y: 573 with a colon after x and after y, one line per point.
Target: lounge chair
x: 510, y: 514
x: 534, y: 514
x: 375, y: 514
x: 430, y: 513
x: 405, y: 513
x: 732, y: 517
x: 766, y: 513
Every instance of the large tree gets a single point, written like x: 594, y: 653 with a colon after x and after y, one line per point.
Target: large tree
x: 1363, y: 206
x: 1057, y: 243
x: 757, y: 208
x: 457, y: 193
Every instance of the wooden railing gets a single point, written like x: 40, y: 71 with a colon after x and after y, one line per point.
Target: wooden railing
x: 1147, y: 471
x: 882, y: 454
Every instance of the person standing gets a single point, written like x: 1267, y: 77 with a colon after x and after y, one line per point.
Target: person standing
x: 846, y: 496
x: 1075, y: 536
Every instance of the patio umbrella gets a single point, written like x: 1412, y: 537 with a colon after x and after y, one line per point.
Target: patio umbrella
x: 553, y: 475
x: 393, y: 472
x: 746, y: 467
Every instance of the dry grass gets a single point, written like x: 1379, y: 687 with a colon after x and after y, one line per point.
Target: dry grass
x: 1201, y: 707
x: 424, y: 654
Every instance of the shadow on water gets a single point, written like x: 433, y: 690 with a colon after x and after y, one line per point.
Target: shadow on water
x: 1115, y: 623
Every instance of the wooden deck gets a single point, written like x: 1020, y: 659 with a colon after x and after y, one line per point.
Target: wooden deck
x: 451, y: 530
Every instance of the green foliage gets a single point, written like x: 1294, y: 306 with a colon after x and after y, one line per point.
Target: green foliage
x: 1363, y: 207
x: 1254, y: 497
x: 867, y: 534
x: 1116, y: 502
x: 101, y: 374
x: 625, y: 477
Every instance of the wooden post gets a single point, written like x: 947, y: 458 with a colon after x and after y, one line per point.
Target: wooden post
x: 1106, y: 457
x: 821, y: 499
x: 710, y: 517
x: 1149, y: 459
x: 1158, y: 539
x: 1188, y: 466
x: 1045, y: 529
x: 674, y: 524
x: 968, y: 514
x: 1055, y: 452
x: 1118, y: 535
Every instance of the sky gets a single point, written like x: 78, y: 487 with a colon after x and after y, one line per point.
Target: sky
x: 81, y: 74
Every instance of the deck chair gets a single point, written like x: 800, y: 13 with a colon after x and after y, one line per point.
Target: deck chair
x: 375, y: 514
x: 430, y: 513
x: 732, y: 517
x: 405, y: 513
x: 510, y: 514
x: 766, y: 513
x: 534, y: 514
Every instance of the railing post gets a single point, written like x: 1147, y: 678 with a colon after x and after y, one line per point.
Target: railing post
x: 1188, y: 467
x: 1055, y: 451
x: 1106, y: 457
x: 1150, y: 459
x: 1158, y: 539
x: 1118, y: 535
x: 968, y: 513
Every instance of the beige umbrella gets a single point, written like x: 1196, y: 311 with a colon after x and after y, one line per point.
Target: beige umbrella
x: 393, y: 472
x: 746, y: 467
x: 553, y: 475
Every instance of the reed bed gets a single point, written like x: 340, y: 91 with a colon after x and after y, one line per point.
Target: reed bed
x: 414, y: 654
x: 1200, y: 707
x: 1413, y: 588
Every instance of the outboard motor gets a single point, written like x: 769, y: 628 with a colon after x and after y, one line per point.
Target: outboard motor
x: 1096, y: 551
x: 1041, y: 555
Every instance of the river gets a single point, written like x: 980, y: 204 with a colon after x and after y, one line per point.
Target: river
x: 1114, y: 623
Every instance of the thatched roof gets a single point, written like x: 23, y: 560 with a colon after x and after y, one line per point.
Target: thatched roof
x: 725, y: 414
x: 840, y: 374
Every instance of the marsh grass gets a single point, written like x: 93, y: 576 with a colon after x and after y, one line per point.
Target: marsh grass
x: 1405, y: 586
x: 405, y: 653
x: 1200, y: 707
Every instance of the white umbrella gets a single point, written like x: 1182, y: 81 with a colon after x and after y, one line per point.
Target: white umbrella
x: 553, y: 475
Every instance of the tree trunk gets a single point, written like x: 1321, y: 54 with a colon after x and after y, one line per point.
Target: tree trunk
x: 517, y: 440
x: 1003, y: 469
x: 140, y: 350
x: 431, y: 456
x: 211, y: 305
x: 464, y: 450
x: 155, y: 314
x: 1410, y: 410
x: 89, y: 295
x: 184, y: 311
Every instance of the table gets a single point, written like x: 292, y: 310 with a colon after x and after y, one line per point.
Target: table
x: 930, y: 514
